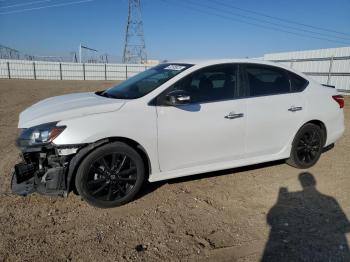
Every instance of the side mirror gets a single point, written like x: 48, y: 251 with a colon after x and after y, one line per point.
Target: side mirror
x: 177, y: 97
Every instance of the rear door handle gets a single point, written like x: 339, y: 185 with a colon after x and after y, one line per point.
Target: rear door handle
x: 295, y: 108
x: 233, y: 115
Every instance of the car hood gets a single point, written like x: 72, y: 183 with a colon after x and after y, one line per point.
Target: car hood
x: 67, y: 106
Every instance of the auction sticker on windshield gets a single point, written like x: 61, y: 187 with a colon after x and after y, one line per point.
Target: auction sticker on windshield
x: 175, y: 67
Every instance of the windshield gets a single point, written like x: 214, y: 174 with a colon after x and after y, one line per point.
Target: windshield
x: 145, y: 82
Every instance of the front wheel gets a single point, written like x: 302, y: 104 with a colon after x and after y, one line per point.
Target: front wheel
x: 110, y: 176
x: 307, y: 147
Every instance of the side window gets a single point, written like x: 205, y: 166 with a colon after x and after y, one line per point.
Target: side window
x: 266, y: 80
x: 210, y: 84
x: 298, y: 83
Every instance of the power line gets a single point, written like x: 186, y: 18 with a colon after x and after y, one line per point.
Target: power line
x: 279, y: 19
x: 268, y: 22
x: 44, y: 7
x: 250, y: 23
x: 24, y: 4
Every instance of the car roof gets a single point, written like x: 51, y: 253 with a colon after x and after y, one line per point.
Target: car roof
x: 209, y: 62
x: 206, y: 62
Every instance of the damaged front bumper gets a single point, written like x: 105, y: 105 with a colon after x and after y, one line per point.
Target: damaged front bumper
x: 44, y: 170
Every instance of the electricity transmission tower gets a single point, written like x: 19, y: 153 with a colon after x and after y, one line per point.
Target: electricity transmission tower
x: 8, y: 53
x: 135, y: 48
x: 88, y: 49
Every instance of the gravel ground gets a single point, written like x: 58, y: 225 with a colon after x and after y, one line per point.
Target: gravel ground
x: 247, y: 214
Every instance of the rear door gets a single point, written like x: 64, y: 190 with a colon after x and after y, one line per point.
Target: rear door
x: 274, y: 110
x: 209, y: 130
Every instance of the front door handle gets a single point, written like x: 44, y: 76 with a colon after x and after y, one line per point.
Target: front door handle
x: 233, y: 115
x: 295, y: 108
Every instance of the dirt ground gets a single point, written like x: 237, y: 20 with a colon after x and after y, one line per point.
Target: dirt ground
x: 246, y: 214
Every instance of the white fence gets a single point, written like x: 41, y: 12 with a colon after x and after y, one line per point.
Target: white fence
x: 22, y: 69
x: 326, y: 70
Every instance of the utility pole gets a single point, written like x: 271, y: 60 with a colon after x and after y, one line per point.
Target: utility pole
x: 135, y: 48
x: 80, y: 53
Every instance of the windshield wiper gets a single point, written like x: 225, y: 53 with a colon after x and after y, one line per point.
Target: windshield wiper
x: 118, y: 96
x: 105, y: 94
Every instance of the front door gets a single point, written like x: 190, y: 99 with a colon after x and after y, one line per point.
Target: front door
x: 211, y: 128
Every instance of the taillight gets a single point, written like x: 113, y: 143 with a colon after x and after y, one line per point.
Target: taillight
x: 340, y: 100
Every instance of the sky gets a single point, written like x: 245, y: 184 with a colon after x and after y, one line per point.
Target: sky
x: 176, y: 29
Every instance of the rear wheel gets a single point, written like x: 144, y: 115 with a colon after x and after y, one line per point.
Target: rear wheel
x: 110, y: 176
x: 307, y: 146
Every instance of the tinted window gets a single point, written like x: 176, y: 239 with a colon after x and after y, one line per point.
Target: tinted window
x: 213, y: 83
x: 298, y: 83
x: 145, y: 82
x: 266, y: 80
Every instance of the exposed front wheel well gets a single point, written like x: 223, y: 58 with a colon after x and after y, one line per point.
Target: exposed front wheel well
x: 139, y: 148
x: 81, y: 155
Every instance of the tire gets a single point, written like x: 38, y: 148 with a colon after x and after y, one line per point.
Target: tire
x: 307, y: 147
x: 110, y: 176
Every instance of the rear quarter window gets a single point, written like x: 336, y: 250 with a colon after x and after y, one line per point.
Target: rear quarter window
x: 297, y: 82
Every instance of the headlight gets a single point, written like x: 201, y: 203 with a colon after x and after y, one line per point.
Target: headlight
x: 39, y: 135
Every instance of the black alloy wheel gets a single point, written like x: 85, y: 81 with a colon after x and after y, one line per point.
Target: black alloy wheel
x: 307, y: 146
x: 110, y: 176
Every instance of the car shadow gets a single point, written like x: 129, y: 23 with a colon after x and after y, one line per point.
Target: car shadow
x: 306, y: 226
x: 148, y: 187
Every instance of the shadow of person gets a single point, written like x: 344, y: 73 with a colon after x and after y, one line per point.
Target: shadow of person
x: 306, y: 226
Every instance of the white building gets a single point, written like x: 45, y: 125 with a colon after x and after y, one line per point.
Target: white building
x: 327, y: 66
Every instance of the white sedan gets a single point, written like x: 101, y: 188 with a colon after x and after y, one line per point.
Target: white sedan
x: 174, y: 120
